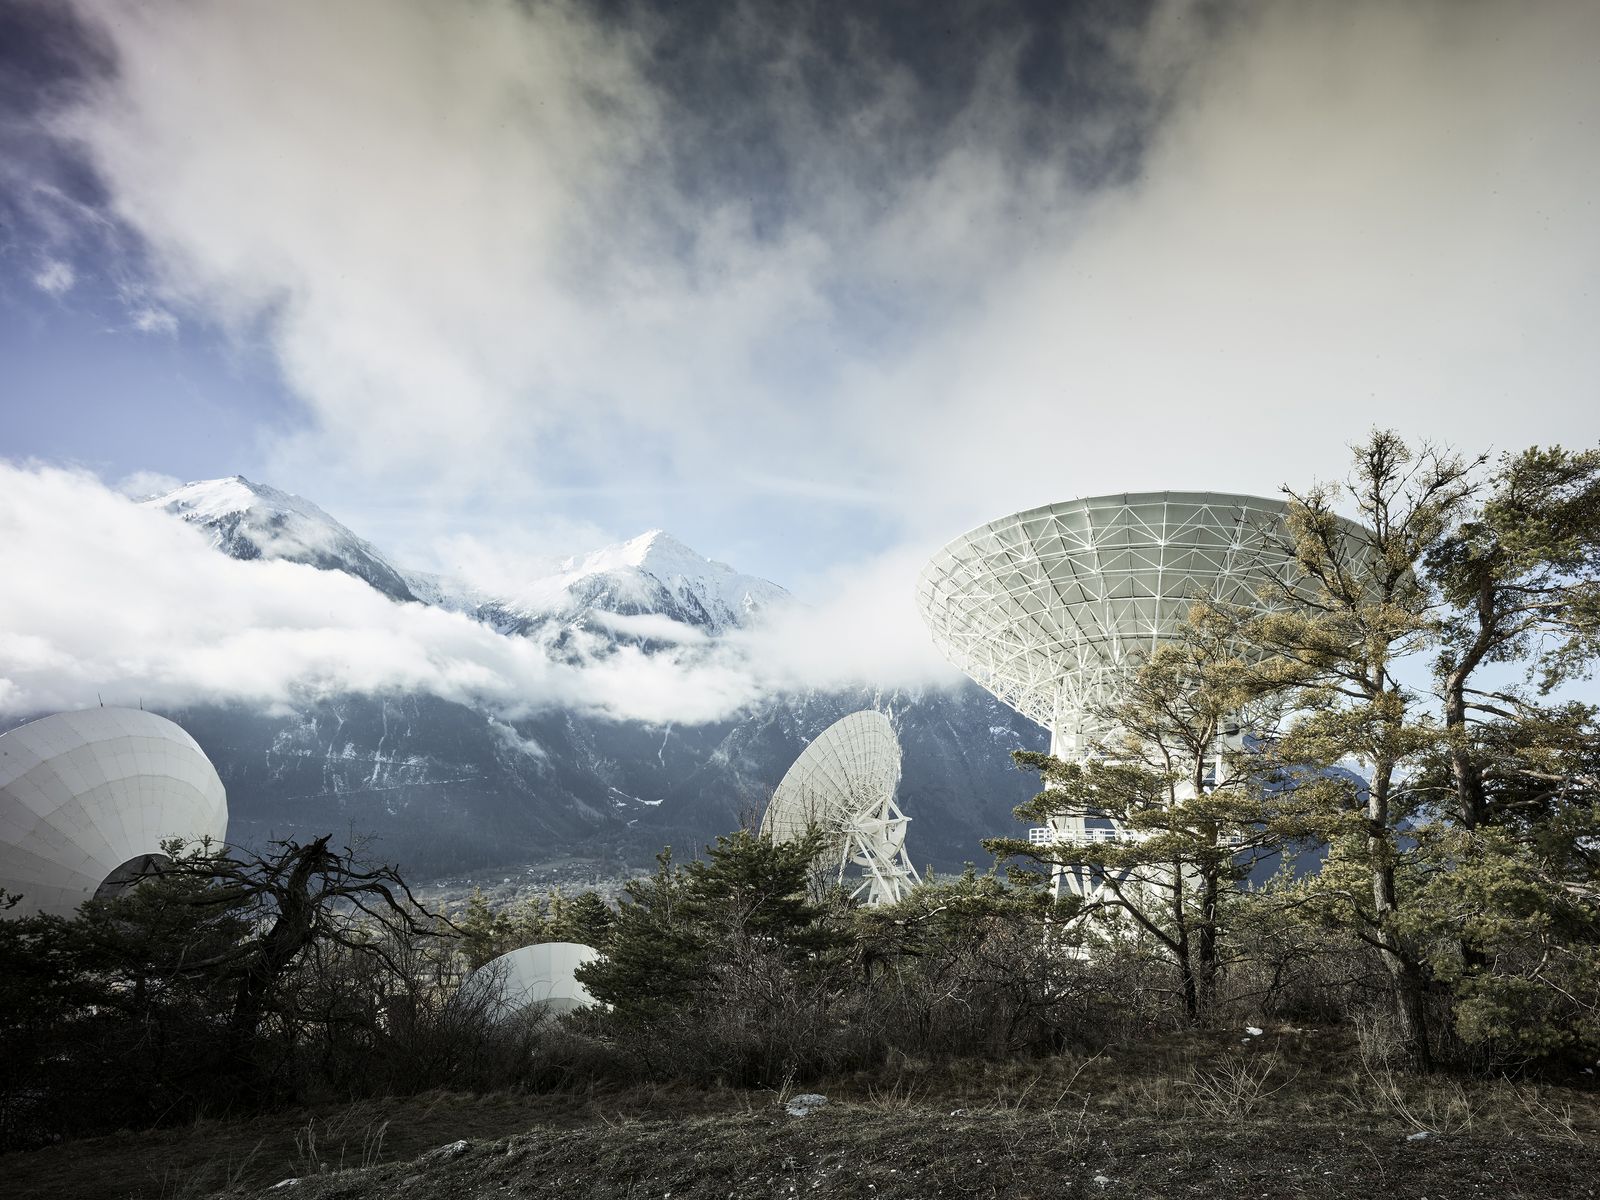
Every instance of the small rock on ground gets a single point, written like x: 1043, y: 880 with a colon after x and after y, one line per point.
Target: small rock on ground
x: 804, y: 1105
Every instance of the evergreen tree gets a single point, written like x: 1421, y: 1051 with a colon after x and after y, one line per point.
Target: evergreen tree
x: 1181, y: 789
x: 485, y: 932
x: 1521, y: 581
x: 1510, y: 878
x: 679, y: 934
x: 655, y: 957
x: 750, y: 889
x: 1358, y: 610
x: 588, y: 919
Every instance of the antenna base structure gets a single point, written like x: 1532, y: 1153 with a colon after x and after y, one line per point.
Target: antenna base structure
x: 876, y: 845
x: 844, y: 784
x: 1089, y: 827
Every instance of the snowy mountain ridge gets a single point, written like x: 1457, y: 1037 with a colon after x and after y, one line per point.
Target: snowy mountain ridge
x: 448, y: 786
x: 652, y: 575
x: 248, y: 520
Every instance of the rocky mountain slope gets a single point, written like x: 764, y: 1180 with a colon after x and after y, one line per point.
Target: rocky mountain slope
x: 251, y: 520
x: 447, y: 788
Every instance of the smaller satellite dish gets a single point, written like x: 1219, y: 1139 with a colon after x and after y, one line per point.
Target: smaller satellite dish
x: 541, y: 977
x: 844, y: 783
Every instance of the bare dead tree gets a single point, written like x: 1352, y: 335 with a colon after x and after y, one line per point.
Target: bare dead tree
x: 295, y: 898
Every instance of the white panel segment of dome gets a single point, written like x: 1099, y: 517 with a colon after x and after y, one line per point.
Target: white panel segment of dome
x: 543, y: 976
x: 85, y: 793
x: 844, y: 782
x: 1049, y: 608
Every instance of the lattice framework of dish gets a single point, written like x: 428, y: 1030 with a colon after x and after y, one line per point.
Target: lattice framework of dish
x: 1049, y: 609
x: 844, y: 782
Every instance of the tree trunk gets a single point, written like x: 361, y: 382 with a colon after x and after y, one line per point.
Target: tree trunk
x: 1181, y: 949
x: 1207, y: 936
x: 1186, y: 973
x: 290, y: 934
x: 1404, y: 975
x: 1466, y: 776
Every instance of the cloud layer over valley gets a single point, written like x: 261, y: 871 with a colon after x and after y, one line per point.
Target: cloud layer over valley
x: 105, y: 599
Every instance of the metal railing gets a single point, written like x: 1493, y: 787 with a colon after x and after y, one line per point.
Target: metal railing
x: 1043, y: 835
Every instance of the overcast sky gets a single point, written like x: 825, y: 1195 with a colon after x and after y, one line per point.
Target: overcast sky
x: 813, y: 286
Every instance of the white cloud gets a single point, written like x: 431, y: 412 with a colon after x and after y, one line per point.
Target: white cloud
x: 653, y: 626
x: 490, y: 266
x: 55, y: 277
x: 516, y: 556
x: 104, y: 598
x: 466, y: 226
x: 141, y: 485
x: 1355, y: 214
x: 863, y: 627
x: 154, y: 320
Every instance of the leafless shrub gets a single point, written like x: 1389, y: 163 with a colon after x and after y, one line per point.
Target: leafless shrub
x: 1235, y: 1089
x: 1432, y: 1105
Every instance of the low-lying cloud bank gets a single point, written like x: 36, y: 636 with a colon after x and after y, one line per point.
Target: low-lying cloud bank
x: 103, y: 599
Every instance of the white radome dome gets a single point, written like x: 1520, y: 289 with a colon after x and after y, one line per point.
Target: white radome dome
x: 542, y: 976
x: 87, y: 796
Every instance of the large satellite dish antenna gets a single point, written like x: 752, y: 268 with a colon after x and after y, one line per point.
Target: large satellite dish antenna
x: 542, y: 977
x: 1052, y: 608
x: 87, y: 798
x: 844, y: 783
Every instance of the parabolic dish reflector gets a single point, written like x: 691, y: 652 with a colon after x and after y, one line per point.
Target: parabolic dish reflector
x: 542, y: 976
x: 1049, y: 608
x: 844, y: 782
x: 83, y: 794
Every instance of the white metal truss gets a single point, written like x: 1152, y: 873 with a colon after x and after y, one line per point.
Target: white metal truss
x: 844, y: 782
x: 1052, y: 609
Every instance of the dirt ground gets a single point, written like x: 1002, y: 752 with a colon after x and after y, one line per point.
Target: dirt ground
x: 1271, y: 1118
x: 844, y: 1151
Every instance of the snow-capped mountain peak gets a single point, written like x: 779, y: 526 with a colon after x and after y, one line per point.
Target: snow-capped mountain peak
x: 280, y: 515
x: 655, y: 552
x: 653, y: 573
x: 250, y: 520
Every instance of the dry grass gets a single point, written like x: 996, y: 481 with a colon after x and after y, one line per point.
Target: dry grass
x: 853, y: 1150
x: 1289, y: 1105
x: 1236, y: 1089
x: 347, y: 1140
x: 212, y: 1156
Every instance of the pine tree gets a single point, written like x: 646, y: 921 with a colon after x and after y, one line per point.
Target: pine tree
x: 1508, y: 885
x: 751, y: 888
x: 655, y: 957
x: 1360, y: 608
x: 1185, y: 803
x: 1521, y: 579
x: 680, y: 928
x: 484, y: 931
x: 588, y: 919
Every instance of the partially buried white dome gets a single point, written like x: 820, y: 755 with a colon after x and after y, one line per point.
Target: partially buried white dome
x: 87, y: 797
x: 543, y: 975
